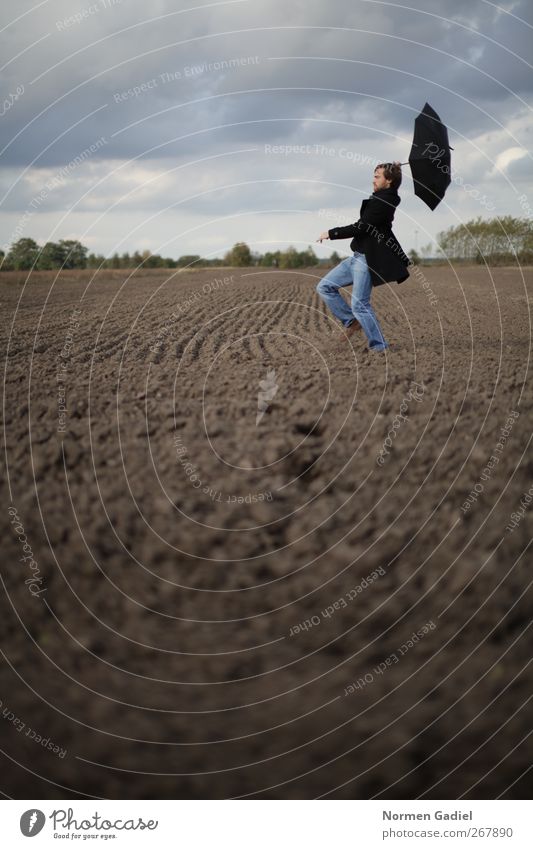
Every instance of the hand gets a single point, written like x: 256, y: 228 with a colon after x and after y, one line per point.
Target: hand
x: 324, y: 235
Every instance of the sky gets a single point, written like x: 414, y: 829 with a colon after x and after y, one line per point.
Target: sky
x: 183, y: 128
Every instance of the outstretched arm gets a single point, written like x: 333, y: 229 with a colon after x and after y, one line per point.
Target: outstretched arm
x: 347, y: 232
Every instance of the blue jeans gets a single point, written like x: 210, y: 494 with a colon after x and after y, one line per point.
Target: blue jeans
x: 353, y: 271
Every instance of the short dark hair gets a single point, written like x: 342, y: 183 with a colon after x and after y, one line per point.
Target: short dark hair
x: 391, y: 171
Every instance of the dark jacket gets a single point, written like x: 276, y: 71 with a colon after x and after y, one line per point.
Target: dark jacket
x: 372, y: 235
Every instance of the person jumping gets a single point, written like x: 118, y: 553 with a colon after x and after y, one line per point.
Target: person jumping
x: 377, y: 258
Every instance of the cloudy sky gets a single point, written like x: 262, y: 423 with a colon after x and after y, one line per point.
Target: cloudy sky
x: 183, y: 127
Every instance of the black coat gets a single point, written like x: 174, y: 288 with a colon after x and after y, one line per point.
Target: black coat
x: 372, y: 235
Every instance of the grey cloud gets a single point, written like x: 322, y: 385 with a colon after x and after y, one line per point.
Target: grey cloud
x: 309, y: 55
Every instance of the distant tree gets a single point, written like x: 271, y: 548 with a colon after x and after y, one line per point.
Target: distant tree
x: 290, y: 258
x: 67, y: 253
x: 334, y: 258
x: 96, y: 261
x: 495, y: 241
x: 154, y: 261
x: 188, y: 259
x: 75, y: 254
x: 414, y: 257
x: 240, y: 255
x: 115, y: 261
x: 125, y: 261
x: 23, y: 254
x: 270, y: 259
x: 308, y: 258
x: 51, y: 256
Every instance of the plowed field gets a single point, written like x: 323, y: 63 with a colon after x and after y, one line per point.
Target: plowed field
x: 239, y: 562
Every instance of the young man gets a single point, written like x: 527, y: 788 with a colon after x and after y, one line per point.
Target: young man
x: 377, y: 258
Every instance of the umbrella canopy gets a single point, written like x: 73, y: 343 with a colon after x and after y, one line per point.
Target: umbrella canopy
x: 430, y: 158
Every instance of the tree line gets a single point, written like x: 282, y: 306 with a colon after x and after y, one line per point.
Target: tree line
x: 69, y: 253
x: 495, y: 241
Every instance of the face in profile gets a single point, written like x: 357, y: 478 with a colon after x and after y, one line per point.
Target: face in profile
x: 379, y: 180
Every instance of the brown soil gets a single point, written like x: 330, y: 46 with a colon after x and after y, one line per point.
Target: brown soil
x: 181, y: 528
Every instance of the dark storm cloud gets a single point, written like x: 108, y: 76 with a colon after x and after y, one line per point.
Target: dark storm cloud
x: 435, y: 53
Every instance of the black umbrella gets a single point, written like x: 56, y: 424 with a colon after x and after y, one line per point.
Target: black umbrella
x: 430, y: 159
